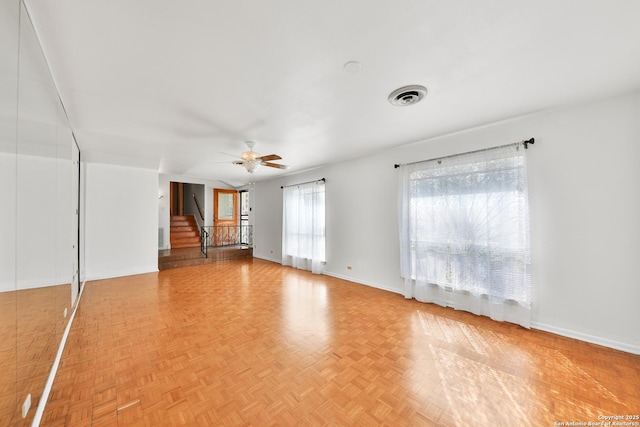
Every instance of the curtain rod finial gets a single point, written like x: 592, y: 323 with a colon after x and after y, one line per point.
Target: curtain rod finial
x: 527, y: 142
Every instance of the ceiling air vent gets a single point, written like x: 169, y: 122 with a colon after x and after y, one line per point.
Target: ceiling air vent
x: 407, y: 95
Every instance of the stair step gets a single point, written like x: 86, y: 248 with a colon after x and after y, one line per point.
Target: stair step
x: 183, y: 229
x: 188, y: 239
x: 183, y: 224
x: 184, y: 233
x: 179, y: 245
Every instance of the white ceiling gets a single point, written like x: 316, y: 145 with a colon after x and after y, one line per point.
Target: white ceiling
x: 175, y: 85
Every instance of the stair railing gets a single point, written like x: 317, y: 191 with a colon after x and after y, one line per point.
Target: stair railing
x: 204, y: 235
x: 195, y: 200
x: 229, y: 235
x: 204, y: 242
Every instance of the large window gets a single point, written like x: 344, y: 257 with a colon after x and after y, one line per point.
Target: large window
x: 303, y: 230
x: 465, y: 233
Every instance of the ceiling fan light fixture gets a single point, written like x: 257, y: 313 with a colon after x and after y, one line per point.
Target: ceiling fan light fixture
x: 251, y: 165
x: 251, y: 160
x: 249, y: 155
x: 407, y: 95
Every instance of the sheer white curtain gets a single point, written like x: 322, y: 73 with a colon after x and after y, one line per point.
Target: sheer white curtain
x: 464, y: 233
x: 303, y: 231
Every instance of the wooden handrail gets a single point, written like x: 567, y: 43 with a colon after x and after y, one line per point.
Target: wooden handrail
x: 195, y: 199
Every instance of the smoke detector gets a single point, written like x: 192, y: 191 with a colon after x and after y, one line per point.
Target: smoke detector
x: 407, y: 95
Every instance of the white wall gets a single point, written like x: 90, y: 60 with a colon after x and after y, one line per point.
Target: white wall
x: 584, y: 203
x: 66, y: 236
x: 163, y: 204
x: 43, y: 221
x: 121, y: 228
x: 190, y: 207
x: 8, y: 221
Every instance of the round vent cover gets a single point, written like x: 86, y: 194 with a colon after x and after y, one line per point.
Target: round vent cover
x: 407, y: 95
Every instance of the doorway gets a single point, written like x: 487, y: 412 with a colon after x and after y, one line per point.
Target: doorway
x: 225, y: 217
x: 176, y: 198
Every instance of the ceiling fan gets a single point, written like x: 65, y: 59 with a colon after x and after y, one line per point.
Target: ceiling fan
x: 252, y: 160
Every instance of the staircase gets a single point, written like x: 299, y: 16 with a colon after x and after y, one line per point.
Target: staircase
x: 184, y: 232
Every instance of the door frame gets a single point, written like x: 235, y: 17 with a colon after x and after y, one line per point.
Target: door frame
x: 225, y: 231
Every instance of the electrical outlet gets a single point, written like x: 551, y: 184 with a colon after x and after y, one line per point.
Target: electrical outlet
x: 65, y: 312
x: 26, y: 405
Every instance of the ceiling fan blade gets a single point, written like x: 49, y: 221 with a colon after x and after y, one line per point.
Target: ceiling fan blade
x: 269, y: 157
x: 275, y: 165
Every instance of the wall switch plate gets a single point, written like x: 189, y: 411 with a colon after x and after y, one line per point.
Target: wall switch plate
x: 26, y: 405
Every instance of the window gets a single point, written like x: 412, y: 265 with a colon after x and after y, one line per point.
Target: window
x: 465, y: 233
x: 303, y: 231
x: 246, y: 237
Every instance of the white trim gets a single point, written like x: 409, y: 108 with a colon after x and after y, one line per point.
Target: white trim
x: 580, y: 336
x: 360, y: 282
x: 54, y: 369
x: 38, y: 284
x: 277, y: 261
x: 121, y: 273
x: 339, y: 276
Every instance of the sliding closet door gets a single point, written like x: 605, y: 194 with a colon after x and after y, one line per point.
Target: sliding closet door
x: 9, y: 12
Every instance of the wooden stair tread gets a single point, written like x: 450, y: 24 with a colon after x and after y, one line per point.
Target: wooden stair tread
x: 184, y: 232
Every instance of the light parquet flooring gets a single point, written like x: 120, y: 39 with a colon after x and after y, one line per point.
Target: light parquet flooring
x: 249, y: 342
x: 31, y: 328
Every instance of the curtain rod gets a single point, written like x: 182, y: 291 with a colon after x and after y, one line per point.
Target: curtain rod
x: 523, y: 142
x: 301, y: 183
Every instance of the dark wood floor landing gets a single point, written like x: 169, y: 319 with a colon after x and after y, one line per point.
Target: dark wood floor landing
x: 186, y: 257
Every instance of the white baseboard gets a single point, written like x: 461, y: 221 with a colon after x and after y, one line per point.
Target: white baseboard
x: 39, y: 283
x: 277, y: 261
x: 121, y: 273
x: 605, y: 342
x: 617, y: 345
x: 56, y: 362
x: 626, y: 347
x: 338, y: 276
x: 361, y: 282
x: 580, y: 336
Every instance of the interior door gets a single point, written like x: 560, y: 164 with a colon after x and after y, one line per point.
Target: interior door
x: 225, y: 217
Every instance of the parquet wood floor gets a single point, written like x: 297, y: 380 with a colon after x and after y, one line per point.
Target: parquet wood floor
x: 249, y: 342
x: 31, y: 328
